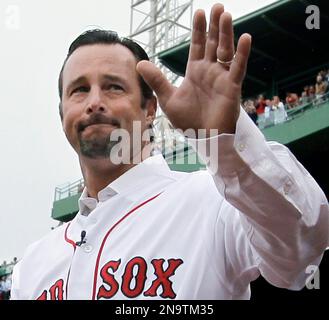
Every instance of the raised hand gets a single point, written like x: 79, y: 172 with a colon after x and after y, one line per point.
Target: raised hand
x: 209, y: 96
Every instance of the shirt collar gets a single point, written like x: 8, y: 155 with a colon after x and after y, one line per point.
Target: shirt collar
x: 141, y: 174
x: 86, y: 203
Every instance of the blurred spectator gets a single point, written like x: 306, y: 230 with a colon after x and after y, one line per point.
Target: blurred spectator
x: 2, y: 288
x: 280, y: 111
x: 326, y: 77
x: 5, y: 279
x: 260, y: 104
x: 306, y: 90
x: 8, y: 286
x: 311, y: 93
x: 249, y: 107
x: 276, y: 103
x: 323, y: 74
x: 320, y: 86
x: 304, y: 99
x: 291, y: 100
x: 5, y: 286
x: 268, y: 108
x: 268, y: 104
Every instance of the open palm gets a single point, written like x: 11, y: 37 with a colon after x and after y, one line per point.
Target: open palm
x: 209, y: 96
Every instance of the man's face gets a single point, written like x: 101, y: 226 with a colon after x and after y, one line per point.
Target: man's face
x: 260, y: 98
x: 101, y: 93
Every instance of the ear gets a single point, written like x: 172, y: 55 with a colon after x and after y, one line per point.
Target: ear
x: 150, y: 110
x: 60, y: 111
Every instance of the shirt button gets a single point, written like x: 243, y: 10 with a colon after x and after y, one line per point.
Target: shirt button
x: 287, y: 187
x: 241, y: 147
x: 88, y: 248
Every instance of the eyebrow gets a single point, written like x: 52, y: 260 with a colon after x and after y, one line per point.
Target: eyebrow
x: 82, y: 79
x: 114, y: 78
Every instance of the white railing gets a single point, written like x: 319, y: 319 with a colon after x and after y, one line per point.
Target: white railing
x: 69, y: 190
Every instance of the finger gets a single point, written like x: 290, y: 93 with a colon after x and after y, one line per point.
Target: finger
x: 156, y: 80
x: 238, y: 67
x: 213, y: 34
x: 225, y: 50
x: 198, y: 40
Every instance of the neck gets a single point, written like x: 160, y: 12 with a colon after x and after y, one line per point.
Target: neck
x: 99, y: 173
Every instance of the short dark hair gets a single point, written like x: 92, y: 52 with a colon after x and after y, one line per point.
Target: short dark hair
x: 97, y: 36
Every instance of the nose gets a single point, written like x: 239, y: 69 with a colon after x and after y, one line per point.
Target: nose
x: 95, y: 102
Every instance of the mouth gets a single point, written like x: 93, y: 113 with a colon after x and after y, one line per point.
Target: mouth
x: 114, y: 123
x: 100, y: 125
x: 98, y: 128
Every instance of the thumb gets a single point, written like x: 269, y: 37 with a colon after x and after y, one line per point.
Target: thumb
x: 156, y: 80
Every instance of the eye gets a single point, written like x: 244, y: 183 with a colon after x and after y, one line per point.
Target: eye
x: 114, y: 87
x: 80, y: 89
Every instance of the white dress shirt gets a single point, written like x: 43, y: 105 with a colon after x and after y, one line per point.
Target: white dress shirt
x: 161, y: 234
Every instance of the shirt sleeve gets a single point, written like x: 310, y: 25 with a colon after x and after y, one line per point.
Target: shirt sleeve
x: 282, y: 210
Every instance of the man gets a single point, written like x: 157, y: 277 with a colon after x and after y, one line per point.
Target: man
x: 260, y: 104
x: 320, y: 86
x: 2, y: 282
x: 277, y: 104
x: 146, y: 232
x: 291, y: 100
x: 280, y: 113
x: 249, y: 107
x: 7, y: 287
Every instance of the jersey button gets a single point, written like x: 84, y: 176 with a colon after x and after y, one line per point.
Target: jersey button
x: 287, y: 186
x: 88, y: 248
x: 241, y: 147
